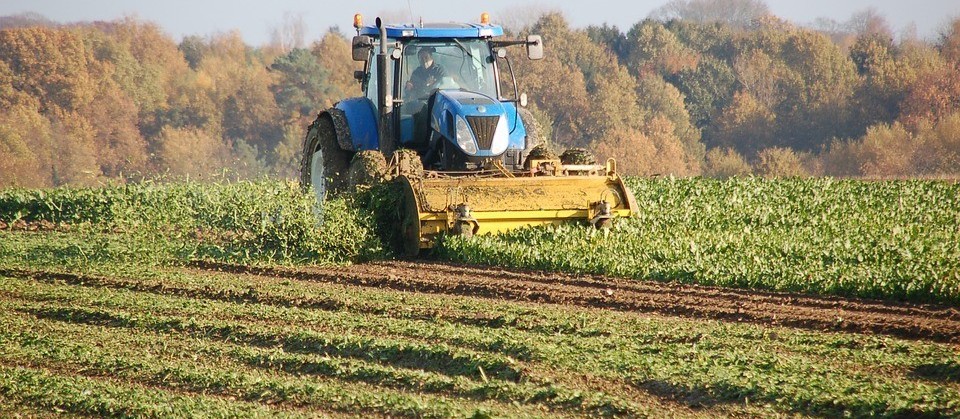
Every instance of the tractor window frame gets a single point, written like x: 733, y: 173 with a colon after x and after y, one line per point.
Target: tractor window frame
x: 370, y: 68
x: 453, y: 65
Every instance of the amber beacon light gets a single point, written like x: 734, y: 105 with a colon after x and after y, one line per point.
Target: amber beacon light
x: 357, y: 20
x: 485, y: 18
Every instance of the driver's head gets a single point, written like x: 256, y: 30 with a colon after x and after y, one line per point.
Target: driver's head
x: 425, y: 55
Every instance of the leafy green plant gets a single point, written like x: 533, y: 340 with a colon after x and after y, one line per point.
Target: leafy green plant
x: 222, y: 344
x: 241, y: 221
x: 891, y: 240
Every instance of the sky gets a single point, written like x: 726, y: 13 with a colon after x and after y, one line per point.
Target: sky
x: 256, y: 19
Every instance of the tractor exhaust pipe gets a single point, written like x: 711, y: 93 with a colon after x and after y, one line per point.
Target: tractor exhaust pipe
x: 383, y: 96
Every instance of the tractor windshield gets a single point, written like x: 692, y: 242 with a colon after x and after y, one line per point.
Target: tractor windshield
x: 445, y: 64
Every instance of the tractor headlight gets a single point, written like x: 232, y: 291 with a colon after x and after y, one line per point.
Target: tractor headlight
x: 465, y: 138
x: 501, y: 137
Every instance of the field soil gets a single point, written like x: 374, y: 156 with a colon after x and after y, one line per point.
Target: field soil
x: 905, y: 320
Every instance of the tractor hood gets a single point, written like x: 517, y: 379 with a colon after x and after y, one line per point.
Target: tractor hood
x: 475, y: 122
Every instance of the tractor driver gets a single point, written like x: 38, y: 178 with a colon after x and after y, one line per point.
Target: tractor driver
x: 424, y: 80
x: 426, y: 77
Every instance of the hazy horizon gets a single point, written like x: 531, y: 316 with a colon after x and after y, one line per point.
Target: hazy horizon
x: 255, y: 20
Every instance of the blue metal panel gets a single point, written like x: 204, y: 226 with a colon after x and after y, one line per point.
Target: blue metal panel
x: 362, y: 120
x: 461, y: 103
x: 452, y: 30
x: 518, y: 132
x: 405, y: 136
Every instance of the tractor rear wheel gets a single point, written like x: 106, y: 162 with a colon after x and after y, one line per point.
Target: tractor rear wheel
x: 324, y: 164
x: 367, y: 168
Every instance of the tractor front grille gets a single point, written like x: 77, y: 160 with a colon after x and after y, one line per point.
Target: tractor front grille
x: 484, y: 127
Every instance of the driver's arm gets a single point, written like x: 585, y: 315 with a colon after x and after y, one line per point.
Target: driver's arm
x: 439, y: 74
x: 414, y: 80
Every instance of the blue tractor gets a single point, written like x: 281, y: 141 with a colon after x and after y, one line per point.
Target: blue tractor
x: 440, y: 116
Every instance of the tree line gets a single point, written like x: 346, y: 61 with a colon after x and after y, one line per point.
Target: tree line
x: 121, y: 100
x: 723, y: 94
x: 693, y: 90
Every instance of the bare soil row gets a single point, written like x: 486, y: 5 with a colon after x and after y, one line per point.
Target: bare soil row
x: 906, y: 320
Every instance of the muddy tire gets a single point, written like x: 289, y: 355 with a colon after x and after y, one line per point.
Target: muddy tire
x: 367, y: 168
x: 324, y: 165
x: 578, y: 156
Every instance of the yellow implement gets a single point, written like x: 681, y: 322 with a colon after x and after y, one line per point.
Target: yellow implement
x: 473, y: 205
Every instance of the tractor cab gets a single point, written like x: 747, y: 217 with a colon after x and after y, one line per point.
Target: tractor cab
x: 443, y: 92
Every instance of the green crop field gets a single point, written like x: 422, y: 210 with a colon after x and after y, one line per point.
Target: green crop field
x: 895, y: 240
x: 106, y: 311
x: 266, y: 221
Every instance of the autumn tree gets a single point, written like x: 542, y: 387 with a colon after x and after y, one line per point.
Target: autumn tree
x: 707, y: 89
x: 302, y: 83
x: 193, y: 49
x: 26, y: 20
x: 949, y: 44
x: 26, y: 138
x: 869, y: 22
x: 250, y: 113
x: 779, y: 162
x: 737, y: 13
x: 652, y: 48
x: 886, y: 151
x: 84, y: 102
x: 723, y: 163
x: 559, y: 76
x: 334, y: 54
x: 935, y: 95
x: 938, y: 153
x: 187, y: 152
x: 653, y: 151
x: 659, y: 99
x: 747, y: 125
x: 592, y: 100
x: 610, y: 37
x: 49, y: 65
x: 889, y: 72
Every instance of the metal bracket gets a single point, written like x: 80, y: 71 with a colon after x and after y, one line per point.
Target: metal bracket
x: 549, y: 167
x: 497, y: 164
x: 460, y: 214
x: 602, y: 214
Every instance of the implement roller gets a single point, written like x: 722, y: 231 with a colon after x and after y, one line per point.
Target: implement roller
x: 481, y: 205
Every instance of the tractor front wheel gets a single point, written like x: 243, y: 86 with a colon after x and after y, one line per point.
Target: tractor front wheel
x: 324, y: 164
x: 367, y: 168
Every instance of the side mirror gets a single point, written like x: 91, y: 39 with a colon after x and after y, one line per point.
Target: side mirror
x: 360, y: 75
x: 534, y: 47
x: 362, y: 45
x: 523, y: 100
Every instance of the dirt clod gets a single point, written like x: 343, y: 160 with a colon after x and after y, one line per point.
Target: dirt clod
x: 578, y: 156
